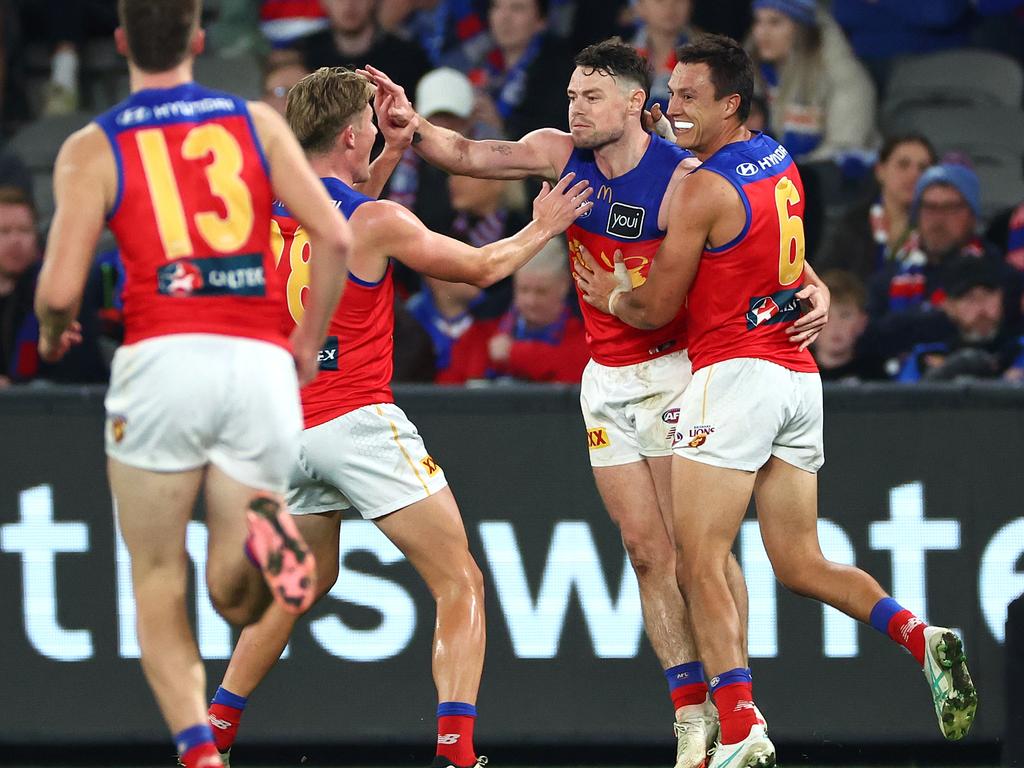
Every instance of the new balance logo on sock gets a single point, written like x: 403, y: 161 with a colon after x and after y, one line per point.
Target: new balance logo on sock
x: 216, y: 722
x: 909, y: 627
x: 448, y: 738
x: 742, y: 704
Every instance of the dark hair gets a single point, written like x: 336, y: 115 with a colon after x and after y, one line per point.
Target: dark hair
x: 11, y: 195
x: 892, y: 142
x: 731, y: 68
x: 158, y: 31
x: 617, y: 59
x: 845, y: 286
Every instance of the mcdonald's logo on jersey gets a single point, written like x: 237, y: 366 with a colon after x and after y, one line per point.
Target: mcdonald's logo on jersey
x: 605, y: 193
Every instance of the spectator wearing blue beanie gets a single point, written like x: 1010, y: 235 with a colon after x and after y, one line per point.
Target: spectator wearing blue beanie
x: 821, y: 100
x: 946, y: 211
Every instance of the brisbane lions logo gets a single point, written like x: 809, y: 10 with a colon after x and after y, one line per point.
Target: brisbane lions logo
x: 636, y: 265
x: 183, y: 279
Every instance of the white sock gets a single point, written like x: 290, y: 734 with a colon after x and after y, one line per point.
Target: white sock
x: 65, y: 69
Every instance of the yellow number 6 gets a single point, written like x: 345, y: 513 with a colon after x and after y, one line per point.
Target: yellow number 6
x: 791, y: 233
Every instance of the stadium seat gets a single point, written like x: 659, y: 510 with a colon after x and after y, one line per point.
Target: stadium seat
x: 969, y: 77
x: 38, y: 142
x: 240, y: 75
x: 993, y: 137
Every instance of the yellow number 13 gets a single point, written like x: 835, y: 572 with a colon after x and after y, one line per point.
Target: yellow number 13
x: 223, y: 175
x: 791, y: 233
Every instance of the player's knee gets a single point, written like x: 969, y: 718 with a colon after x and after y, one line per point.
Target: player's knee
x: 463, y: 580
x: 797, y: 576
x: 648, y: 557
x: 326, y: 575
x: 239, y: 601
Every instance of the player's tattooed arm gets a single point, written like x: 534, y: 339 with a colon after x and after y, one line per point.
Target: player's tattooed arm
x: 542, y: 153
x: 816, y: 296
x: 84, y: 187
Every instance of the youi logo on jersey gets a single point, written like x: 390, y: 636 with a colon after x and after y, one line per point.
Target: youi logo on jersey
x: 240, y: 275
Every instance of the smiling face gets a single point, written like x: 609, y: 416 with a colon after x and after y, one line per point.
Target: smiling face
x: 698, y: 118
x: 600, y: 107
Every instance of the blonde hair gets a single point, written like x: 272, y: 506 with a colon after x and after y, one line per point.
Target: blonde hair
x: 552, y: 259
x: 323, y: 104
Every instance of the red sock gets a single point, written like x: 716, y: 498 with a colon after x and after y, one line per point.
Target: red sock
x: 735, y: 704
x: 224, y: 721
x: 203, y: 755
x: 908, y: 630
x: 455, y: 739
x: 688, y: 695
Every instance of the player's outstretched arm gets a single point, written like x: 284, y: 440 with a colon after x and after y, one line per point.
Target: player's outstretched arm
x: 693, y: 213
x: 542, y: 153
x: 384, y: 227
x: 84, y: 187
x: 330, y: 237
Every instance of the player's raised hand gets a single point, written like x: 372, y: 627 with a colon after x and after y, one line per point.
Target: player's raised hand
x: 555, y: 208
x: 397, y: 135
x: 401, y: 110
x: 596, y: 283
x: 52, y: 351
x: 806, y: 329
x: 654, y: 121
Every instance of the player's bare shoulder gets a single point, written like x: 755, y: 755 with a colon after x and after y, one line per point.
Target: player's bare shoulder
x: 86, y: 161
x: 551, y: 145
x: 686, y: 166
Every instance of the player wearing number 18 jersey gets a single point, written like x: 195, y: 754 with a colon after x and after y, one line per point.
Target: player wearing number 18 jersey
x: 359, y: 450
x: 204, y: 393
x: 751, y: 420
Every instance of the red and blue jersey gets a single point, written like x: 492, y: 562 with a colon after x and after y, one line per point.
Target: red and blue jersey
x: 625, y: 217
x: 192, y: 216
x: 356, y: 360
x: 744, y: 295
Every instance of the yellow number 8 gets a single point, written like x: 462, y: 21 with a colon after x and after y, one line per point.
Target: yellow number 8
x: 298, y: 266
x: 791, y: 233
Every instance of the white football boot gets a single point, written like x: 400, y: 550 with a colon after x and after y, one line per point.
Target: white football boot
x: 953, y: 692
x: 755, y: 751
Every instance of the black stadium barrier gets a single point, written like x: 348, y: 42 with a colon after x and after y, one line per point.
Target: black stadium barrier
x: 921, y: 487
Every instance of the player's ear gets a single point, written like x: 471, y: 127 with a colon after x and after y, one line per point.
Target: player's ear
x: 198, y: 41
x: 732, y: 105
x: 348, y: 137
x: 637, y: 101
x: 121, y: 41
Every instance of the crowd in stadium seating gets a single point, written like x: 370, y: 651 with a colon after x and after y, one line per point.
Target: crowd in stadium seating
x: 905, y: 118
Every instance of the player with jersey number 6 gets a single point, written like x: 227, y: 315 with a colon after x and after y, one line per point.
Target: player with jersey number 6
x: 751, y: 420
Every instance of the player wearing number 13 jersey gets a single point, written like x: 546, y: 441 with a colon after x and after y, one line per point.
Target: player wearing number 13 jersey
x: 359, y: 450
x: 751, y: 420
x: 204, y: 393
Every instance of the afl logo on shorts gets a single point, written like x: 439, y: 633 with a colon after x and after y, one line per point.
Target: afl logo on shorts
x: 117, y: 426
x: 670, y: 416
x: 746, y: 169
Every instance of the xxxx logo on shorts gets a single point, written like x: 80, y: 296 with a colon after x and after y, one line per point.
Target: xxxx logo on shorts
x: 598, y: 438
x: 430, y: 465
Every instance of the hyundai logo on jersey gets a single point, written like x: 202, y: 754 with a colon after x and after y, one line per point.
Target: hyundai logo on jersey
x: 746, y: 169
x: 778, y: 308
x: 625, y: 221
x: 224, y: 276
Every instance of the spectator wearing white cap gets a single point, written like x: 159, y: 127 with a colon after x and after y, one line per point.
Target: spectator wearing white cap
x: 821, y: 99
